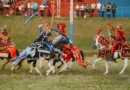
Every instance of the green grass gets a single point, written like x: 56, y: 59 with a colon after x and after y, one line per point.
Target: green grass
x: 84, y: 29
x: 76, y: 77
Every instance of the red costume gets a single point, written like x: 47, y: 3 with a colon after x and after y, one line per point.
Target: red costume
x: 61, y: 27
x: 52, y: 8
x: 67, y: 54
x: 13, y: 51
x: 118, y: 37
x: 77, y: 55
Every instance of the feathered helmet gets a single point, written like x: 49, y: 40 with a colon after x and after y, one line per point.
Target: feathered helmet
x: 119, y: 26
x: 4, y: 28
x: 61, y: 25
x: 40, y: 26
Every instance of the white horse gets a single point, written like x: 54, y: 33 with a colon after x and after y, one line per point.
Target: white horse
x: 104, y: 51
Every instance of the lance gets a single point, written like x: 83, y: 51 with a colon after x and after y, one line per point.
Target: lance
x: 109, y: 33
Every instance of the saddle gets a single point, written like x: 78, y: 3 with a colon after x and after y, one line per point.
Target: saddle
x: 104, y: 52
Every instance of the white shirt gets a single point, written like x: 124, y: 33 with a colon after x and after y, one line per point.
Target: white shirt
x: 42, y: 7
x: 77, y: 7
x: 98, y: 5
x: 29, y: 5
x: 82, y: 7
x: 93, y: 6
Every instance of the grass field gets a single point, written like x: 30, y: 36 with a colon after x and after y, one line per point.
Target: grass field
x: 76, y: 77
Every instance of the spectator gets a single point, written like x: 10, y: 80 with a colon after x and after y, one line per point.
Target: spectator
x: 93, y: 6
x: 45, y: 2
x: 23, y: 9
x: 31, y: 11
x: 82, y: 10
x: 103, y: 9
x: 77, y: 10
x: 108, y: 10
x: 42, y: 7
x: 35, y: 7
x: 17, y: 8
x: 98, y: 8
x: 29, y: 8
x: 7, y: 2
x: 114, y: 10
x: 1, y: 6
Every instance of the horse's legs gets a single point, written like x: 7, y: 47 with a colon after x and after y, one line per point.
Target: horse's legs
x: 52, y: 68
x: 38, y: 71
x: 65, y: 67
x: 60, y: 64
x: 107, y: 67
x: 7, y: 61
x: 31, y: 67
x: 93, y: 66
x: 125, y: 65
x: 41, y: 62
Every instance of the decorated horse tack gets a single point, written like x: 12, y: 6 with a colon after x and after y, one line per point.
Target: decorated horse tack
x: 122, y: 51
x: 125, y: 50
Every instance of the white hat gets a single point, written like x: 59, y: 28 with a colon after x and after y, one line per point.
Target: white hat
x: 40, y: 26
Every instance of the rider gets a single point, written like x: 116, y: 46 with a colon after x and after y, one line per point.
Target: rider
x: 4, y: 32
x: 43, y: 34
x: 119, y: 39
x: 59, y: 37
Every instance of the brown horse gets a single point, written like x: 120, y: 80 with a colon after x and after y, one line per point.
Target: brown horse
x: 8, y: 54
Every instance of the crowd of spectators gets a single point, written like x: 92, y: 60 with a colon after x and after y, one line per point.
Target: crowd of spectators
x: 15, y: 7
x: 95, y: 9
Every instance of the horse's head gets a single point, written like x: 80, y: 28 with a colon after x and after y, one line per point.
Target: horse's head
x: 96, y: 43
x: 101, y: 41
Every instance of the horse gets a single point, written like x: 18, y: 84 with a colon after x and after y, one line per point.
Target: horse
x: 71, y: 54
x: 102, y: 43
x: 9, y: 53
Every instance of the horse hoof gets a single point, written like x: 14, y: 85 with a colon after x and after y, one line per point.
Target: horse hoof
x: 120, y: 73
x: 47, y: 73
x: 2, y: 68
x: 41, y: 75
x: 106, y: 73
x: 94, y: 69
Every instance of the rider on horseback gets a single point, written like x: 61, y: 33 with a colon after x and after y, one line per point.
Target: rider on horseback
x: 118, y: 38
x: 43, y: 34
x: 59, y: 38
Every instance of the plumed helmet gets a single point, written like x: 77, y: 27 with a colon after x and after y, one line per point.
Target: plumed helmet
x: 4, y: 28
x: 40, y: 26
x: 61, y: 25
x: 119, y: 26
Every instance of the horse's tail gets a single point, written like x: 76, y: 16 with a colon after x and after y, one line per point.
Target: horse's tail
x: 82, y: 54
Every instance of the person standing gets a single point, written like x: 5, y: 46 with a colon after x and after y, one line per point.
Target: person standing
x: 99, y: 8
x: 103, y: 9
x: 29, y: 8
x: 114, y: 10
x: 77, y: 10
x: 108, y: 10
x: 35, y: 7
x: 31, y: 11
x: 42, y: 7
x: 82, y: 10
x: 93, y: 6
